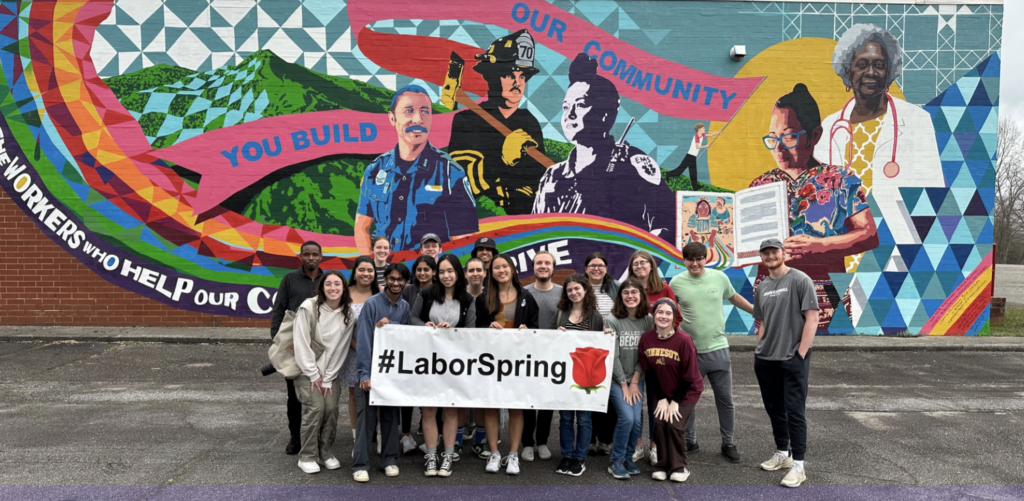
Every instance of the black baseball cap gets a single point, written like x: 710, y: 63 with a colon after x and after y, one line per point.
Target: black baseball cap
x: 769, y: 243
x: 484, y: 243
x: 430, y: 236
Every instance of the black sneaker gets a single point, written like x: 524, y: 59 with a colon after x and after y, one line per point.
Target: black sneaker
x: 730, y: 453
x: 430, y: 465
x: 457, y: 455
x: 563, y: 466
x: 576, y: 468
x: 446, y: 466
x: 293, y: 447
x: 692, y: 447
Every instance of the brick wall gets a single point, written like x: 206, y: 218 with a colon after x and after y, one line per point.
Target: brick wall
x: 42, y: 284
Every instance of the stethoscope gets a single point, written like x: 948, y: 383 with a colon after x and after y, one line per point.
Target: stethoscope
x: 891, y: 169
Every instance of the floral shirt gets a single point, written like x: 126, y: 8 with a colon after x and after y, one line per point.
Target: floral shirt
x: 820, y: 198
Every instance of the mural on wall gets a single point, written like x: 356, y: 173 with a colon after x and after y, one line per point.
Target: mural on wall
x: 184, y: 150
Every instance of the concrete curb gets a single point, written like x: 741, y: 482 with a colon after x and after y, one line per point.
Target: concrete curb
x: 229, y: 335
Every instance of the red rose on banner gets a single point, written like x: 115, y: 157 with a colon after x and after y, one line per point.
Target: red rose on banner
x: 588, y: 370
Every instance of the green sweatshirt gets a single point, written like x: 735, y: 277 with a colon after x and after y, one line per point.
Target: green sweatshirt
x: 627, y: 342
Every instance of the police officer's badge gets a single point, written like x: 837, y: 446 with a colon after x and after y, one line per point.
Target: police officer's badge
x: 381, y: 178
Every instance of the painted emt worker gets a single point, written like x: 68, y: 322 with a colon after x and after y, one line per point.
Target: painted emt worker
x: 415, y: 188
x: 787, y: 311
x: 296, y: 287
x: 700, y: 292
x: 669, y: 359
x: 577, y: 311
x: 504, y: 305
x: 498, y: 165
x: 602, y: 177
x: 323, y: 331
x: 537, y: 428
x: 378, y: 311
x: 443, y: 305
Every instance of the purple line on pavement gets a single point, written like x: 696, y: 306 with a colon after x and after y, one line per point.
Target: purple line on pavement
x: 562, y: 493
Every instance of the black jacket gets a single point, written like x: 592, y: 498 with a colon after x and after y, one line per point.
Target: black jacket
x: 526, y: 310
x: 295, y: 288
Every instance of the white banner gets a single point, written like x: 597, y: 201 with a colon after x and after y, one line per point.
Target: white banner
x: 487, y: 368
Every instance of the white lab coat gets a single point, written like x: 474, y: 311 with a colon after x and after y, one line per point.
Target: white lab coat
x: 917, y: 154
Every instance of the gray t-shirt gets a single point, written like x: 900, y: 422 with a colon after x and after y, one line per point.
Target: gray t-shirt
x: 627, y: 343
x: 780, y: 305
x: 547, y: 303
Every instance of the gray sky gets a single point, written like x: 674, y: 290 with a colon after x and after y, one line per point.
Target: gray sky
x: 1011, y: 83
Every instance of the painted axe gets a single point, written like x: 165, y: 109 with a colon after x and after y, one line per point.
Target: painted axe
x: 452, y: 95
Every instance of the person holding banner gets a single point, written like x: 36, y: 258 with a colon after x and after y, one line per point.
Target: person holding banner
x: 604, y: 290
x: 669, y: 359
x: 476, y: 273
x: 441, y: 306
x: 361, y: 286
x: 537, y: 427
x: 505, y: 305
x: 577, y: 311
x: 628, y: 321
x: 322, y: 332
x: 424, y: 271
x: 378, y: 311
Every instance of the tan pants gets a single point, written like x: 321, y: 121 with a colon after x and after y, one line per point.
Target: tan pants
x: 319, y: 420
x: 671, y: 441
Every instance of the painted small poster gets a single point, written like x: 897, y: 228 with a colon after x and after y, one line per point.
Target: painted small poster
x: 707, y: 218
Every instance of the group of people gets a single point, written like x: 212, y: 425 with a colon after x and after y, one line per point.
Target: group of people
x: 669, y: 337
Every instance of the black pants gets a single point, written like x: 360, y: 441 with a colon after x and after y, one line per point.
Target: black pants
x: 604, y: 426
x: 690, y: 162
x: 294, y: 410
x: 539, y: 422
x: 784, y: 393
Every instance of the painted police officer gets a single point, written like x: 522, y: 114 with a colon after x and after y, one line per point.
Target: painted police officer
x: 415, y: 188
x: 497, y: 164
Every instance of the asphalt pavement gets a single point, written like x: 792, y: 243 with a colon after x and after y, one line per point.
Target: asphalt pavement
x: 137, y: 420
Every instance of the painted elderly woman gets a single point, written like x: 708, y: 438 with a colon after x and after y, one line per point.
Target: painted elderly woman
x: 602, y: 177
x: 886, y: 141
x: 829, y: 217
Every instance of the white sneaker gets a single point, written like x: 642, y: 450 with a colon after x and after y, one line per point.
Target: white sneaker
x: 361, y: 476
x: 778, y: 461
x: 423, y: 447
x: 543, y: 452
x: 511, y: 465
x: 795, y: 477
x: 659, y: 475
x: 408, y: 444
x: 527, y: 454
x: 680, y: 476
x: 309, y: 466
x: 638, y: 453
x: 493, y: 463
x: 378, y: 442
x: 332, y: 464
x: 653, y: 457
x: 391, y: 471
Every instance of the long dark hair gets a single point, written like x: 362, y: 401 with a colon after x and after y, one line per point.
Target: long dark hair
x: 608, y: 282
x: 619, y: 310
x: 589, y: 299
x: 459, y: 289
x: 346, y: 297
x: 429, y: 262
x: 804, y: 107
x: 492, y: 301
x: 374, y: 286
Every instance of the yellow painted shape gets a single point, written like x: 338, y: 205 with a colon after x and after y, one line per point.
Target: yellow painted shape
x: 738, y: 155
x: 983, y: 283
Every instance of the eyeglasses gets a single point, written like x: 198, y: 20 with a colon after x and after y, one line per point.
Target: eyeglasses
x: 596, y: 266
x: 789, y: 141
x: 395, y: 279
x: 640, y: 263
x: 631, y: 292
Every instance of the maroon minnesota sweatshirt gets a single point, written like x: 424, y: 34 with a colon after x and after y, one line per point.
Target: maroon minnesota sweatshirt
x: 670, y: 367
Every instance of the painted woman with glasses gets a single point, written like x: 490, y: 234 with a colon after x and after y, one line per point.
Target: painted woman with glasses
x: 829, y: 217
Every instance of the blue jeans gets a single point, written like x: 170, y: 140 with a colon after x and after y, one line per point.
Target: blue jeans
x: 630, y: 425
x: 581, y: 435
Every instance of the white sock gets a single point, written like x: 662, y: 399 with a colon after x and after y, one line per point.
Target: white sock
x: 353, y: 433
x: 784, y: 453
x: 798, y: 464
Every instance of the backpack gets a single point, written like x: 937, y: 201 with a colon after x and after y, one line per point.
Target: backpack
x: 282, y: 351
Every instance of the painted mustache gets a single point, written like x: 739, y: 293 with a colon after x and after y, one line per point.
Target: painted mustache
x: 416, y: 128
